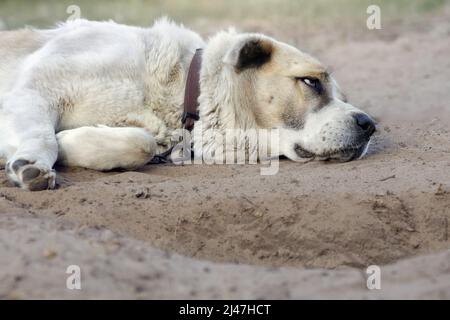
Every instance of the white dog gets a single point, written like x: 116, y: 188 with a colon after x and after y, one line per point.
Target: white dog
x: 102, y: 95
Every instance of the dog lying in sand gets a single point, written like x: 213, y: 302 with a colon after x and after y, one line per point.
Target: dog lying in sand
x: 102, y: 95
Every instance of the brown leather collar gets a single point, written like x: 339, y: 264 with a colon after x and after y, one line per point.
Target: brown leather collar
x: 190, y: 107
x: 192, y: 92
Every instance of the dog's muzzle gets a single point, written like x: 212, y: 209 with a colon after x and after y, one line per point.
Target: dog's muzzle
x: 364, y: 129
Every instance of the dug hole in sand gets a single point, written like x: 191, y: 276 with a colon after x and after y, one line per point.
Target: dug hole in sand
x: 309, y: 231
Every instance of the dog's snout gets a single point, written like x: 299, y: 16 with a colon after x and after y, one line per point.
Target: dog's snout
x: 365, y: 123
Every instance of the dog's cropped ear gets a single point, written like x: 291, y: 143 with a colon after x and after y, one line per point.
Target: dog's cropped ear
x: 250, y: 52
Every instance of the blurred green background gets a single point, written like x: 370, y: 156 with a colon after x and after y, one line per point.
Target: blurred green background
x: 314, y: 14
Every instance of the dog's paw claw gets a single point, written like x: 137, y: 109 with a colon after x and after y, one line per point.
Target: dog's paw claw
x: 30, y: 173
x: 30, y: 176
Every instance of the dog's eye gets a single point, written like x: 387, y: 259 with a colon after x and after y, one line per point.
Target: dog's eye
x: 313, y: 83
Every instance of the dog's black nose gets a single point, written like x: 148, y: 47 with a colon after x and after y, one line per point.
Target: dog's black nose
x: 365, y: 123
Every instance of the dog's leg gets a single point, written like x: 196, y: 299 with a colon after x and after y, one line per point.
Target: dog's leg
x: 105, y: 148
x: 28, y: 140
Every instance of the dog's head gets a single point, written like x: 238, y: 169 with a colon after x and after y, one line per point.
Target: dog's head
x: 292, y: 91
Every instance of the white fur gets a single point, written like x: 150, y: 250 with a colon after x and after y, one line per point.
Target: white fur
x: 96, y: 147
x: 86, y: 73
x: 114, y: 95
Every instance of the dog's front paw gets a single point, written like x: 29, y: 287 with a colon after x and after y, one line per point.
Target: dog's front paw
x: 28, y: 175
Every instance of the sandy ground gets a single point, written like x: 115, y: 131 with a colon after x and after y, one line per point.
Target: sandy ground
x: 228, y: 232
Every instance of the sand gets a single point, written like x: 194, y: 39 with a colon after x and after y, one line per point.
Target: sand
x: 309, y: 231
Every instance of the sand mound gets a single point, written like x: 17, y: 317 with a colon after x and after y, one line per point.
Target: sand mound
x: 115, y: 267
